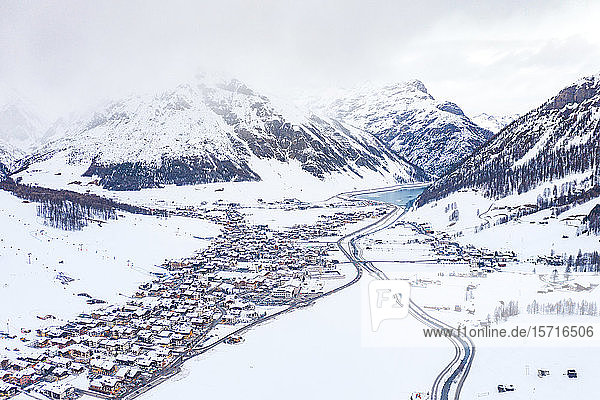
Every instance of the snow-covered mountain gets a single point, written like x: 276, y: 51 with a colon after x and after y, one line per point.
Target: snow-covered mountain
x: 431, y: 134
x: 211, y: 131
x: 493, y: 123
x: 554, y: 149
x: 20, y: 125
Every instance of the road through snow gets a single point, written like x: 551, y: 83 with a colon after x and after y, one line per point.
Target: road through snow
x: 452, y: 377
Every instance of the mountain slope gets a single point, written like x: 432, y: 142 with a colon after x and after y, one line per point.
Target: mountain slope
x: 211, y: 131
x: 8, y: 157
x: 3, y: 171
x: 431, y: 134
x: 557, y: 142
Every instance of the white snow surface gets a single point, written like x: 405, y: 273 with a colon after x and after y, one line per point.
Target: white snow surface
x: 529, y: 236
x: 107, y: 262
x: 314, y: 353
x: 279, y: 180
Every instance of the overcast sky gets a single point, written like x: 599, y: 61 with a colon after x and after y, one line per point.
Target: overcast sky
x: 496, y: 57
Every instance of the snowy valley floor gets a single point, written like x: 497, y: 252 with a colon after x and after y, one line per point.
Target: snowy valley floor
x: 324, y: 351
x: 441, y: 288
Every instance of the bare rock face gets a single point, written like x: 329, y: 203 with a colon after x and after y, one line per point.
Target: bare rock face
x: 577, y: 93
x: 452, y: 108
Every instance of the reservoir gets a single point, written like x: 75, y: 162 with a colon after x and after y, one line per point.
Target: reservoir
x: 399, y: 196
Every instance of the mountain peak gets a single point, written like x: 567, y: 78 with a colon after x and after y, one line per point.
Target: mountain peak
x: 417, y: 85
x: 431, y: 134
x: 492, y: 122
x: 412, y: 88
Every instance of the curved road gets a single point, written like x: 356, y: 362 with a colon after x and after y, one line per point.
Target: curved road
x: 452, y: 377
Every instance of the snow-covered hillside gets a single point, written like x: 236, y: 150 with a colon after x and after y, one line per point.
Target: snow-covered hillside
x: 493, y: 123
x: 538, y: 178
x: 211, y: 131
x: 104, y: 260
x: 429, y: 133
x: 559, y: 139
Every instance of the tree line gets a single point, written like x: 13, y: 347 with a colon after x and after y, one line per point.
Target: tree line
x: 564, y: 307
x: 583, y: 262
x: 70, y: 210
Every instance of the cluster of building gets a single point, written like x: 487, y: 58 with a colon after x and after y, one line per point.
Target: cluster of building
x: 448, y: 250
x: 245, y: 273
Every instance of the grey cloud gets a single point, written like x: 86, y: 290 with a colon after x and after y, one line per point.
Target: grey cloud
x: 68, y: 54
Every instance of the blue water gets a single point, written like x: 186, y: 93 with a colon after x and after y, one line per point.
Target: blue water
x: 400, y: 197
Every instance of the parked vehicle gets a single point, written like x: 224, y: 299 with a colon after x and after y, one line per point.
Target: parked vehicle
x: 505, y: 388
x: 543, y: 372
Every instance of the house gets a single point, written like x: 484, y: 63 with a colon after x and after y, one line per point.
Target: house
x: 60, y: 372
x: 184, y: 330
x: 125, y: 359
x: 62, y: 342
x: 77, y: 368
x: 177, y: 339
x: 116, y: 345
x: 229, y: 319
x: 144, y: 362
x: 134, y: 373
x: 286, y: 292
x: 106, y: 384
x: 23, y: 377
x: 122, y: 373
x: 7, y: 390
x: 56, y: 390
x: 5, y: 376
x: 31, y: 357
x: 145, y: 336
x: 79, y: 351
x: 104, y: 367
x: 249, y: 315
x: 60, y: 361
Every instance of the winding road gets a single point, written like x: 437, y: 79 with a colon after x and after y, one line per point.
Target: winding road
x: 451, y: 379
